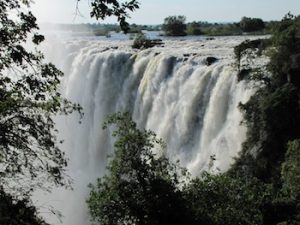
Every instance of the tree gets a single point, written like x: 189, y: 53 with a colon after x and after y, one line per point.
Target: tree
x: 29, y: 99
x: 277, y: 100
x: 30, y: 157
x: 194, y: 29
x: 100, y: 9
x: 290, y: 169
x: 284, y: 63
x: 141, y: 187
x: 142, y: 42
x: 290, y: 173
x: 272, y: 118
x: 251, y: 24
x: 146, y: 188
x: 225, y: 200
x: 174, y: 26
x: 18, y: 212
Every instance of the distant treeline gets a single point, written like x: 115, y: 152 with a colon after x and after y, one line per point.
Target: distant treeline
x: 100, y: 29
x: 176, y: 26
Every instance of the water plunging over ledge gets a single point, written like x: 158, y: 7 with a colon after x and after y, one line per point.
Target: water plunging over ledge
x: 170, y: 90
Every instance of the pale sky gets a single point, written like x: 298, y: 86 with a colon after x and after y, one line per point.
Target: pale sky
x: 154, y: 11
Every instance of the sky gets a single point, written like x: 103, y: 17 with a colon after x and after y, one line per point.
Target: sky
x: 154, y: 11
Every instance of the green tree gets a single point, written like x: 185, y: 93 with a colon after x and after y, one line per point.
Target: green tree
x: 100, y: 9
x: 142, y: 42
x: 285, y: 61
x: 290, y: 173
x: 174, y: 26
x: 251, y: 24
x: 272, y: 114
x: 141, y: 187
x: 29, y: 99
x: 194, y: 29
x: 18, y: 212
x: 144, y: 188
x: 225, y: 200
x: 30, y: 157
x: 290, y: 169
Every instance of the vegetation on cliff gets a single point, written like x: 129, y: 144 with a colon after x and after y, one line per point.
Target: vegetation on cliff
x: 263, y: 185
x: 143, y: 186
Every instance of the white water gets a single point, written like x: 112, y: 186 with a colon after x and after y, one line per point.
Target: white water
x: 193, y: 107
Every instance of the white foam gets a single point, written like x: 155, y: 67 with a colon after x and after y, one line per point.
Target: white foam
x: 169, y: 90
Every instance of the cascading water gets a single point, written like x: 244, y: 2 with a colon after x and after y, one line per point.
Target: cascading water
x: 169, y: 90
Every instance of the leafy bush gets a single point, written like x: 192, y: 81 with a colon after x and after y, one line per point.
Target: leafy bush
x: 29, y: 100
x: 174, y: 26
x: 224, y: 200
x: 144, y: 188
x: 194, y: 29
x: 251, y: 24
x: 222, y: 30
x: 291, y: 169
x: 101, y: 32
x: 141, y: 42
x: 272, y: 115
x: 17, y: 212
x: 141, y: 188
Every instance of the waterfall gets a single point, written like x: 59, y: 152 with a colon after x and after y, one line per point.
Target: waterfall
x: 169, y: 89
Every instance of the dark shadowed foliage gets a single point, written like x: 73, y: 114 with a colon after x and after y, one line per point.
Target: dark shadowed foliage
x: 18, y: 212
x: 174, y: 26
x: 251, y: 24
x: 100, y: 9
x: 29, y: 99
x: 141, y: 187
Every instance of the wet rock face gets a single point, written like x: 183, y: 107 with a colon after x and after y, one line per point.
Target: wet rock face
x: 210, y: 60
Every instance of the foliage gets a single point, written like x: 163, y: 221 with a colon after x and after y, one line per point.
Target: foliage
x: 17, y: 212
x: 100, y: 28
x: 106, y: 8
x: 101, y: 32
x: 194, y: 29
x: 227, y: 29
x: 135, y: 29
x: 290, y: 169
x: 222, y: 30
x: 225, y: 200
x: 142, y: 42
x: 256, y: 46
x: 29, y: 99
x: 30, y: 157
x: 174, y: 26
x: 266, y: 136
x: 272, y: 115
x: 251, y: 24
x: 284, y: 63
x: 142, y: 187
x: 261, y: 188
